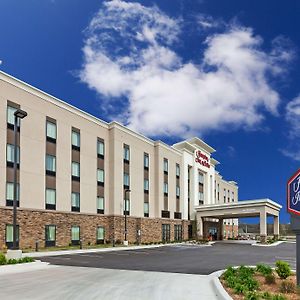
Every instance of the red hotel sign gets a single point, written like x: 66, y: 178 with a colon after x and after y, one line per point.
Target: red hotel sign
x: 202, y: 159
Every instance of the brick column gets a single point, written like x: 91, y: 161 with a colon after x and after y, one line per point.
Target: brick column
x: 221, y: 230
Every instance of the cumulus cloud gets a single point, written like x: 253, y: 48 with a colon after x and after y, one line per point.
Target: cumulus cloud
x: 129, y: 52
x: 292, y: 117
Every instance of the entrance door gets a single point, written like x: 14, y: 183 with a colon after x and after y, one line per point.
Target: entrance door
x: 165, y: 233
x: 190, y: 231
x: 213, y: 233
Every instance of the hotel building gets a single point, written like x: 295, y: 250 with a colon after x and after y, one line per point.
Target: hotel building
x: 74, y: 170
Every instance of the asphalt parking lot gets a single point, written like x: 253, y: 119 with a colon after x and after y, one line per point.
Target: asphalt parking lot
x: 186, y: 259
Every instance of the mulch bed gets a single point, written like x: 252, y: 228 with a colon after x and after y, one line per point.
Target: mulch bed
x: 271, y: 288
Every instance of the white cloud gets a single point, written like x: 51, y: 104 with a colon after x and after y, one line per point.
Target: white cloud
x: 129, y: 52
x: 292, y: 116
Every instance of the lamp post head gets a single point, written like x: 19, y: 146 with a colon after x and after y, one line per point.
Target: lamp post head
x: 21, y: 114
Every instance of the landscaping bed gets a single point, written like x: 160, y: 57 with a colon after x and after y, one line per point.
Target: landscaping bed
x: 4, y: 261
x: 261, y: 282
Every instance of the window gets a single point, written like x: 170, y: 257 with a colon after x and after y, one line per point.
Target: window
x: 50, y: 165
x: 75, y: 201
x: 201, y: 198
x: 177, y: 170
x: 50, y: 199
x: 75, y: 235
x: 166, y: 166
x: 126, y: 207
x: 11, y: 116
x: 51, y: 132
x: 224, y: 195
x: 165, y: 188
x: 50, y: 235
x: 146, y: 209
x: 126, y: 180
x: 146, y: 185
x: 10, y: 155
x: 100, y: 177
x: 146, y: 161
x: 228, y: 195
x: 10, y: 194
x: 100, y: 149
x: 126, y: 153
x: 100, y: 205
x: 232, y: 196
x: 200, y: 178
x: 9, y: 235
x: 100, y: 235
x: 177, y: 191
x: 165, y: 233
x: 178, y: 233
x: 75, y: 140
x: 75, y: 171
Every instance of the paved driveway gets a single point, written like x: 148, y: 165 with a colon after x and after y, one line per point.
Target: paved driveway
x: 78, y: 283
x: 186, y: 259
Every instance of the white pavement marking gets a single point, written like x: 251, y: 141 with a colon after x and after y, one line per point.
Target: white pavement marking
x: 76, y: 283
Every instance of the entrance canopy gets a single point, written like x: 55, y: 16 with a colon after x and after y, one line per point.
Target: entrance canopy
x: 261, y: 208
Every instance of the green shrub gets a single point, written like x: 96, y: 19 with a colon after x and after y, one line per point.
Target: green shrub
x: 2, y: 259
x: 230, y: 271
x: 26, y: 259
x: 12, y: 261
x: 283, y: 269
x: 266, y: 296
x: 278, y: 297
x: 251, y: 284
x: 252, y: 296
x: 239, y: 288
x: 231, y: 281
x: 287, y: 287
x: 270, y: 279
x: 264, y: 269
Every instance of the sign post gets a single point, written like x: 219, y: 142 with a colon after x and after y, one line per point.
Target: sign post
x: 293, y: 207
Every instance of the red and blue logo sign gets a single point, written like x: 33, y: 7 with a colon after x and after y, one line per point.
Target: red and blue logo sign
x: 293, y: 194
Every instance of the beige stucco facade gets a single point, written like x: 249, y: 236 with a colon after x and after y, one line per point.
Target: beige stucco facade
x: 184, y: 189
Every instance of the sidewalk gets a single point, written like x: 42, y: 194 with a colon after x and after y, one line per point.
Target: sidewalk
x: 95, y: 250
x: 72, y: 283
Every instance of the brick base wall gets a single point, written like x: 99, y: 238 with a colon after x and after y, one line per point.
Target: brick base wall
x: 32, y: 227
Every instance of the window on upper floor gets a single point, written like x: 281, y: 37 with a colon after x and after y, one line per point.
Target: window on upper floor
x: 126, y: 154
x: 51, y: 132
x: 177, y: 191
x: 50, y: 165
x: 166, y: 188
x: 50, y: 199
x: 100, y: 148
x: 100, y: 176
x: 100, y: 205
x: 75, y: 140
x: 166, y: 166
x: 177, y: 170
x: 200, y: 178
x: 146, y: 161
x: 11, y: 117
x: 10, y: 155
x: 146, y: 185
x: 126, y: 180
x: 75, y: 202
x: 75, y: 170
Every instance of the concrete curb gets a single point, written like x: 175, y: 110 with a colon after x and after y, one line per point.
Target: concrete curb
x: 95, y: 250
x: 269, y: 245
x: 219, y: 290
x: 24, y: 267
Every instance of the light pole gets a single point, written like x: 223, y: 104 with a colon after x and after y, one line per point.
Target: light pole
x: 125, y: 194
x: 19, y: 114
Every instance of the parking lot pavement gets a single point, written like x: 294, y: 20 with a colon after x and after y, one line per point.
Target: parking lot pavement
x: 186, y: 259
x: 72, y: 283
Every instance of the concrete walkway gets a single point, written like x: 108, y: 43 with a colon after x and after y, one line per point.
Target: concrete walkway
x: 62, y: 282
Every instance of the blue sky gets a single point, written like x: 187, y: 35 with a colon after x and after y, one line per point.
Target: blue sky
x: 227, y: 71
